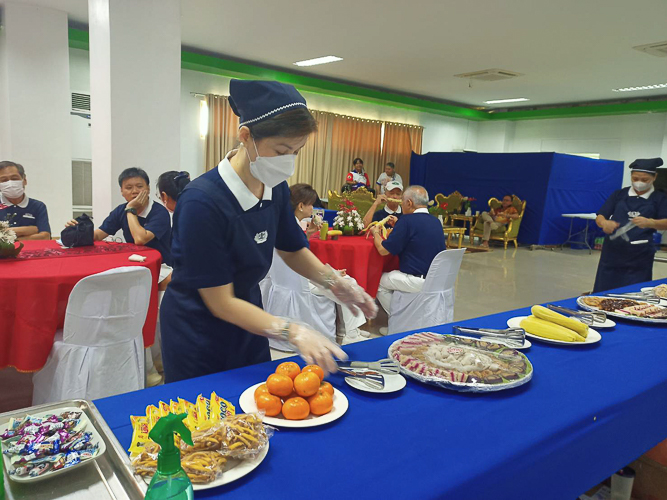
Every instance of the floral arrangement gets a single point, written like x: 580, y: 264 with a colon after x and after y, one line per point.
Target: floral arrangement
x: 467, y: 202
x: 7, y: 236
x: 438, y: 208
x: 348, y: 219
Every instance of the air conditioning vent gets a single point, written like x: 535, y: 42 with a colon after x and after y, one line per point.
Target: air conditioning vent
x: 80, y: 101
x: 489, y: 75
x: 658, y: 49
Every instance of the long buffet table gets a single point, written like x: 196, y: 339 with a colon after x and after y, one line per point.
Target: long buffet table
x: 587, y: 412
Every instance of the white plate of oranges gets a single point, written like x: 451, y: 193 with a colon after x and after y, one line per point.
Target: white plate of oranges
x: 295, y: 397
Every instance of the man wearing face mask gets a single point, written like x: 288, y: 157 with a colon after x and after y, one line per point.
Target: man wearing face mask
x: 627, y: 259
x: 226, y: 226
x: 27, y: 217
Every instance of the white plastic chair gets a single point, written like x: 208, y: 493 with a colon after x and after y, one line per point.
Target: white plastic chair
x: 434, y: 304
x: 100, y: 351
x: 288, y: 294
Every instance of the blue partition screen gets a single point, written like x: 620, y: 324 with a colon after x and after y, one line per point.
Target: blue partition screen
x: 551, y: 184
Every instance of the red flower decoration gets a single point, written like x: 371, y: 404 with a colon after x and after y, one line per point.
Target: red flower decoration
x: 444, y: 206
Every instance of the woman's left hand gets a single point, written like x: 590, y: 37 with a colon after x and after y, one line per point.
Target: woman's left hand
x: 643, y: 222
x: 311, y: 229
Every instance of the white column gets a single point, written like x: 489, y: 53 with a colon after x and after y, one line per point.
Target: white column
x: 35, y: 104
x: 135, y: 79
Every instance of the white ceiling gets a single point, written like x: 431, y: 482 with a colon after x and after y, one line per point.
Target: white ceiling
x: 568, y: 50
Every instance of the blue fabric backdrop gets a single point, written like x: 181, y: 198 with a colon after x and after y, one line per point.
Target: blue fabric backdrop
x: 551, y: 184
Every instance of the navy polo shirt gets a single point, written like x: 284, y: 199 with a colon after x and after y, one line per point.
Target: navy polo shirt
x: 382, y: 213
x: 27, y: 213
x: 417, y: 238
x: 157, y: 221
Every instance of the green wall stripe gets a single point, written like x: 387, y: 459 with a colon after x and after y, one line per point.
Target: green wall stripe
x: 78, y: 39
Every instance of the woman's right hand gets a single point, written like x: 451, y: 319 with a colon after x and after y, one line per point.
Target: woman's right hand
x: 609, y: 226
x: 315, y: 348
x: 311, y: 229
x: 71, y: 223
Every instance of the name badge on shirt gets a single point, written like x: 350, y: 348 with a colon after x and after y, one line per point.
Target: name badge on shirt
x: 632, y: 215
x: 28, y: 216
x: 261, y: 237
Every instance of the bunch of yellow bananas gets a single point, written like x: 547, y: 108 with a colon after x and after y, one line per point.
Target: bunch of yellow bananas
x: 382, y: 224
x: 552, y: 325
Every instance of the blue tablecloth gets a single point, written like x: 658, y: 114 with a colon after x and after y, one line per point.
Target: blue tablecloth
x: 587, y: 412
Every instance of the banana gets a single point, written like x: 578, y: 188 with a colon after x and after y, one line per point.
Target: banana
x: 548, y: 330
x: 554, y: 317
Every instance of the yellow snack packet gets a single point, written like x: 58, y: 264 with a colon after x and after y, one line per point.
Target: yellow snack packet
x: 153, y: 415
x: 139, y: 434
x: 164, y: 409
x: 204, y: 408
x: 176, y: 407
x: 192, y: 421
x: 221, y: 408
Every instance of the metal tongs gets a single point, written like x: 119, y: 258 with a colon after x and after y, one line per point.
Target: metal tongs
x: 372, y: 379
x: 651, y: 299
x: 386, y: 366
x: 587, y: 318
x: 622, y: 231
x: 511, y: 337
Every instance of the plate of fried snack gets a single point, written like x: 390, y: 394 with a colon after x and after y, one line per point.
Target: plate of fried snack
x: 226, y: 446
x: 636, y: 310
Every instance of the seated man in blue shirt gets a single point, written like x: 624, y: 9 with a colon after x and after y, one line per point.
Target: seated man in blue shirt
x: 417, y: 238
x: 143, y: 222
x: 392, y: 201
x: 27, y: 217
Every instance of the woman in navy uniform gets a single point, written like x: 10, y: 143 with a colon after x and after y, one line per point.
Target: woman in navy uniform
x: 226, y: 224
x: 628, y: 258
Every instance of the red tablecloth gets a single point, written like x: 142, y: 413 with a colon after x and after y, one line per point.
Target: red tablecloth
x: 35, y: 287
x: 358, y: 256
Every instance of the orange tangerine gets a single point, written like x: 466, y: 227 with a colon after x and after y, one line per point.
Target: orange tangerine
x: 321, y: 403
x: 306, y: 384
x: 279, y: 385
x: 296, y: 409
x: 315, y: 369
x: 327, y: 387
x: 289, y: 368
x: 270, y: 404
x: 262, y: 389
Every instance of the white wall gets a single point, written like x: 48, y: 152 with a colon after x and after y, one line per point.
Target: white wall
x: 35, y: 104
x: 621, y: 137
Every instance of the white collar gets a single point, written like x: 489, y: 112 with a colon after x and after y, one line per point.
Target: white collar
x: 646, y: 195
x: 243, y: 195
x: 23, y: 204
x: 390, y: 211
x: 421, y: 211
x: 144, y: 213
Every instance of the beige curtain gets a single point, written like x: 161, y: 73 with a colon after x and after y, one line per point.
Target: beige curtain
x: 311, y: 160
x: 353, y: 138
x: 399, y: 142
x: 223, y: 126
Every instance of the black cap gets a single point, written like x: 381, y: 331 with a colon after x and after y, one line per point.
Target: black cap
x: 255, y: 100
x: 648, y: 165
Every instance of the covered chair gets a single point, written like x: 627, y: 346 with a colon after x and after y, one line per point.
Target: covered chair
x: 509, y: 233
x: 434, y: 304
x: 100, y: 351
x: 288, y: 294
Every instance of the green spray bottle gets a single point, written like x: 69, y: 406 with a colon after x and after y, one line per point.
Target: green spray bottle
x: 170, y: 480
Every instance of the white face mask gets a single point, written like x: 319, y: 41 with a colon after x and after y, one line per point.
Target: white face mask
x: 272, y: 170
x: 12, y: 189
x: 641, y: 186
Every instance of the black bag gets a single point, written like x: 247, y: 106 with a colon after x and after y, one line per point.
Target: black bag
x: 81, y: 235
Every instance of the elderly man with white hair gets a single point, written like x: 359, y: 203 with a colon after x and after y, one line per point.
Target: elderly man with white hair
x: 417, y: 238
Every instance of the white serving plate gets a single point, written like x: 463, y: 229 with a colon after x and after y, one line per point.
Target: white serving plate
x: 340, y: 405
x: 615, y: 314
x: 392, y: 383
x: 663, y: 302
x: 84, y: 425
x: 592, y: 338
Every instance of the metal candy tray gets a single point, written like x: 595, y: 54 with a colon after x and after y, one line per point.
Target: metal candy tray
x: 108, y: 476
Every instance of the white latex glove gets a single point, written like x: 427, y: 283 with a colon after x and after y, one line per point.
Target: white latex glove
x: 351, y: 294
x: 313, y: 347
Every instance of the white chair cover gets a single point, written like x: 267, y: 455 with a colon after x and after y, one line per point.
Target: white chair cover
x: 100, y: 351
x: 434, y: 305
x: 288, y: 294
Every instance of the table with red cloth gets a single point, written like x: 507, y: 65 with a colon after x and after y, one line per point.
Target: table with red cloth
x: 35, y: 288
x: 358, y: 256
